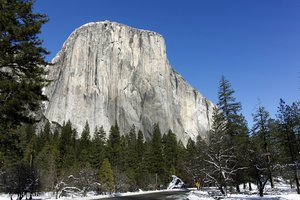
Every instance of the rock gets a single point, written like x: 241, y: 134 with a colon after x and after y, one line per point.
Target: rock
x: 108, y: 72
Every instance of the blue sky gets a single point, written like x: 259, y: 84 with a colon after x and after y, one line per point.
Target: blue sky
x: 255, y: 44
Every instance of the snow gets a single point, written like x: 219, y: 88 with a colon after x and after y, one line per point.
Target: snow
x: 200, y: 195
x: 193, y: 195
x: 90, y: 196
x: 281, y: 192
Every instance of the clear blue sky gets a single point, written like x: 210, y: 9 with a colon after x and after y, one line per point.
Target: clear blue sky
x: 255, y: 44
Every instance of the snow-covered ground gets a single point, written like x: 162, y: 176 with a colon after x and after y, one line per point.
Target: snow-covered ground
x: 199, y: 195
x: 282, y: 191
x: 90, y: 196
x: 193, y: 195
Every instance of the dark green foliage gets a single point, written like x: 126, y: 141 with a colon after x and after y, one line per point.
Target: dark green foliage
x: 227, y: 102
x: 98, y: 147
x: 84, y: 146
x: 131, y: 158
x: 156, y: 160
x: 289, y: 128
x: 262, y: 141
x: 235, y: 127
x: 20, y: 179
x: 114, y: 147
x: 67, y: 147
x: 106, y: 176
x: 171, y: 153
x: 21, y: 62
x: 47, y: 162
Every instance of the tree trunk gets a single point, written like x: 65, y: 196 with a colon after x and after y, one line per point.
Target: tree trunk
x: 250, y: 186
x: 260, y: 188
x: 297, y: 183
x: 270, y: 174
x: 237, y: 188
x: 261, y: 192
x: 222, y: 190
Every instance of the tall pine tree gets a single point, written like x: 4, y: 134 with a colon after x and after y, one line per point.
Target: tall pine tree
x: 22, y: 58
x: 235, y: 127
x: 262, y: 136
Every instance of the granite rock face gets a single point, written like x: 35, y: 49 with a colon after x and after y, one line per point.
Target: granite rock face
x: 108, y: 72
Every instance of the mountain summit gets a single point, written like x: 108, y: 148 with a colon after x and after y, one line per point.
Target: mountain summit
x: 108, y: 72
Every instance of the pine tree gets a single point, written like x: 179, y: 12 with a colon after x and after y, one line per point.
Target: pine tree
x: 181, y: 153
x: 84, y: 147
x: 171, y: 154
x: 235, y: 127
x: 98, y: 147
x: 157, y: 161
x: 191, y: 161
x: 131, y: 158
x: 227, y: 103
x: 47, y: 166
x: 262, y: 137
x: 67, y: 147
x: 114, y: 152
x: 106, y: 176
x: 140, y: 146
x: 141, y: 171
x: 22, y: 58
x: 289, y: 123
x: 132, y: 149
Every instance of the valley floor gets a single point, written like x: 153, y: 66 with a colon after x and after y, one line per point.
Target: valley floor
x: 191, y: 195
x: 281, y: 192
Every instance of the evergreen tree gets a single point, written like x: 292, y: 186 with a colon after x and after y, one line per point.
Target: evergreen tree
x: 21, y: 62
x: 180, y: 169
x: 106, y: 176
x: 157, y: 162
x: 131, y: 165
x: 227, y: 103
x: 113, y: 146
x: 132, y: 149
x: 46, y: 134
x: 191, y: 161
x: 140, y: 146
x: 142, y: 168
x: 98, y: 147
x: 66, y: 147
x: 235, y: 127
x: 84, y: 147
x: 262, y: 139
x: 114, y: 153
x: 171, y: 154
x: 241, y: 150
x: 22, y: 58
x: 289, y: 123
x: 46, y: 163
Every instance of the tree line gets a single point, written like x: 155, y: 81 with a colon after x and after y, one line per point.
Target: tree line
x: 230, y: 155
x: 60, y: 160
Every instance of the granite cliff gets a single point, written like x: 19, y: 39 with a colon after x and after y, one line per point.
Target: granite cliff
x: 107, y: 72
